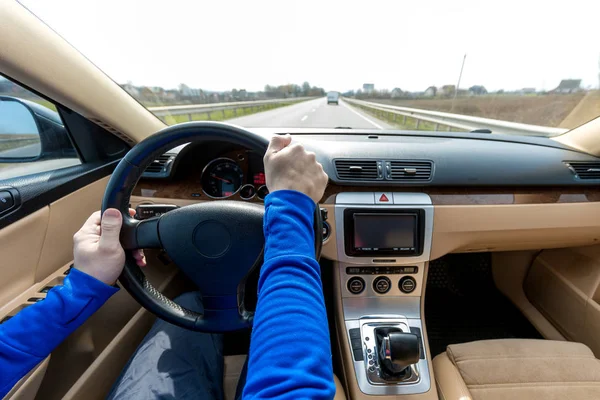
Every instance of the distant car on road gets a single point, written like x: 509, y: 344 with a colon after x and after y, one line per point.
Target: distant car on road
x: 333, y: 97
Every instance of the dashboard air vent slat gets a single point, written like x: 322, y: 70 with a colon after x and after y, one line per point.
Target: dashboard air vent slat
x: 158, y: 165
x: 585, y: 169
x: 356, y: 170
x: 410, y: 170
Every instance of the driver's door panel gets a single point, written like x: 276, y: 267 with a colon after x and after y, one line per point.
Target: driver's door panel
x: 37, y: 252
x: 20, y: 248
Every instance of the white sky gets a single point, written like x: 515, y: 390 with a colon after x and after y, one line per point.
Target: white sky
x: 339, y: 45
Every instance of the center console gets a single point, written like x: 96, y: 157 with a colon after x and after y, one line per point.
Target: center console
x: 383, y: 243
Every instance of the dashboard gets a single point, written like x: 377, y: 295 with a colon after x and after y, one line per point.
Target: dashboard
x: 211, y: 171
x: 489, y: 192
x: 394, y: 202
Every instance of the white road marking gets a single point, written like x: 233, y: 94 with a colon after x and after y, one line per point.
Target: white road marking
x: 360, y: 115
x: 306, y: 116
x: 313, y: 110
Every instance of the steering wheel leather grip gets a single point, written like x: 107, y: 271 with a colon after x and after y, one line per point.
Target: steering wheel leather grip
x: 217, y: 244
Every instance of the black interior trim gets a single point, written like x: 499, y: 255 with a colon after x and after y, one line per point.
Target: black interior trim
x: 93, y: 143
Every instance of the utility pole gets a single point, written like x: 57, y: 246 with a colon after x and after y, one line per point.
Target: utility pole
x: 458, y: 83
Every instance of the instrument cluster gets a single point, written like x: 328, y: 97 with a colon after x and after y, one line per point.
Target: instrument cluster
x: 224, y: 177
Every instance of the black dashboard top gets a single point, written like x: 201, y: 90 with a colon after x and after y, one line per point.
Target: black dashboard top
x: 457, y: 159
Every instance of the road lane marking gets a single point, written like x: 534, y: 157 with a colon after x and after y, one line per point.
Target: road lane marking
x: 306, y: 116
x: 362, y: 116
x: 313, y: 110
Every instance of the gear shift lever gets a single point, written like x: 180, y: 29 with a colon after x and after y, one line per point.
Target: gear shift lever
x: 397, y: 351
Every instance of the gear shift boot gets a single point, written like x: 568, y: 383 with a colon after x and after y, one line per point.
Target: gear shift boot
x: 397, y: 351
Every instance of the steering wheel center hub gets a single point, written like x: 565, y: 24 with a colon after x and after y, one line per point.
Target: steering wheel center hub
x: 212, y: 239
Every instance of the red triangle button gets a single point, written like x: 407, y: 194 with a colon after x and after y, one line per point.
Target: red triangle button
x: 383, y: 198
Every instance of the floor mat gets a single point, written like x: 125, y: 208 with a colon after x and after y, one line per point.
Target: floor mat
x: 462, y: 304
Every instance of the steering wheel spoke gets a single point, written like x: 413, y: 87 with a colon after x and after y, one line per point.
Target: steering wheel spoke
x: 143, y: 234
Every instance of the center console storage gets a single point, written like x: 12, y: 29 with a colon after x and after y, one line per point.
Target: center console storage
x: 382, y: 250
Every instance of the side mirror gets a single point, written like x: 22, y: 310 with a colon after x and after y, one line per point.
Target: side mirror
x: 19, y: 131
x: 31, y: 132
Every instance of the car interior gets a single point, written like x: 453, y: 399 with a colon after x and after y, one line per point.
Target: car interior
x: 454, y: 265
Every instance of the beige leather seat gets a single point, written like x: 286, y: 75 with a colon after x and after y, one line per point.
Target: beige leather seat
x: 517, y: 369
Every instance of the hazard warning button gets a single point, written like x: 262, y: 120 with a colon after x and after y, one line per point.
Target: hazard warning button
x: 383, y: 198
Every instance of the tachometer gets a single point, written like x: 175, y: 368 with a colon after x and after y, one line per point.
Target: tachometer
x: 221, y: 178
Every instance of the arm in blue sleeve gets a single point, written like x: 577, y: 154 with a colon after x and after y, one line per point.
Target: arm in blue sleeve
x: 290, y: 351
x: 31, y: 335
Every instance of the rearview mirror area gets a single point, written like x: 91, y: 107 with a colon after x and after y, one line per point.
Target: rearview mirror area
x: 19, y: 131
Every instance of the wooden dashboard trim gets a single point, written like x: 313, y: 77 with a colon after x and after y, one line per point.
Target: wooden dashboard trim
x: 484, y: 195
x: 183, y: 190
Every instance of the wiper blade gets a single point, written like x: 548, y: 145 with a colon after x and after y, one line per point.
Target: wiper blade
x: 481, y: 131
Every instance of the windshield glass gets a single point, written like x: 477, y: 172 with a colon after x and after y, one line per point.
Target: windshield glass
x: 426, y: 65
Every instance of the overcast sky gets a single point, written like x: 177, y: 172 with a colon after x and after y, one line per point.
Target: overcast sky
x: 339, y: 45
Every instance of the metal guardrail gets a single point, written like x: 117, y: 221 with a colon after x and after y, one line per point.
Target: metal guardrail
x: 458, y: 121
x: 192, y: 109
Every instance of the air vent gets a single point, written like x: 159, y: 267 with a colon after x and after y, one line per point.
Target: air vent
x: 585, y: 170
x: 410, y: 170
x: 357, y: 170
x: 158, y: 166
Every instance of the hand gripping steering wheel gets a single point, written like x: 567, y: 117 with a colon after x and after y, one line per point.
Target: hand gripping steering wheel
x: 217, y: 244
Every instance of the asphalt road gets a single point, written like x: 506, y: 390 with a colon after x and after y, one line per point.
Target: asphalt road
x: 311, y: 114
x: 31, y: 150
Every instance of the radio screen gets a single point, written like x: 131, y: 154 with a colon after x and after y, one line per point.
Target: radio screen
x: 384, y: 232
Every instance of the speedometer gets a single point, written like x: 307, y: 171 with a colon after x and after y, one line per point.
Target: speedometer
x: 221, y: 178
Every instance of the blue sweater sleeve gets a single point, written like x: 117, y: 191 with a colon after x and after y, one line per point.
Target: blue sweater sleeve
x: 32, y: 334
x: 290, y: 352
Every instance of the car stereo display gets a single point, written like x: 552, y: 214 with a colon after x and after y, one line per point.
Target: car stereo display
x: 386, y: 232
x: 383, y: 232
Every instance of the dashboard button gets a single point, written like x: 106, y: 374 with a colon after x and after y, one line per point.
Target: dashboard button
x: 384, y: 198
x: 407, y: 284
x: 356, y: 285
x: 6, y: 201
x: 358, y: 355
x: 382, y: 284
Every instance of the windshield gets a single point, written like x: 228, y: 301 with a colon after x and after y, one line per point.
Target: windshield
x: 429, y: 65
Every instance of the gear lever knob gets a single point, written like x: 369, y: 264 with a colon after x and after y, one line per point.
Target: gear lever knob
x: 397, y: 349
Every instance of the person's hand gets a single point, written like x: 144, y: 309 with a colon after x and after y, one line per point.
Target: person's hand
x: 290, y: 166
x: 97, y: 250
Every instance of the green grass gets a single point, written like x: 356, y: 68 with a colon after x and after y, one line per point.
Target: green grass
x: 45, y: 103
x: 223, y: 115
x: 407, y: 123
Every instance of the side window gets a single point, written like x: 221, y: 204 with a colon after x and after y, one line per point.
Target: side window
x: 33, y: 137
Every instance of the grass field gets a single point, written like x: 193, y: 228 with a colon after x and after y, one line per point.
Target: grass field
x: 44, y: 103
x: 407, y: 123
x: 223, y: 115
x: 545, y: 110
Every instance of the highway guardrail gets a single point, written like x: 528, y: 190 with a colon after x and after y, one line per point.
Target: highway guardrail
x: 191, y: 109
x: 459, y: 121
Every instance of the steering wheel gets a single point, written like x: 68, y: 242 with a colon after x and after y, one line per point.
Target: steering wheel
x: 217, y: 244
